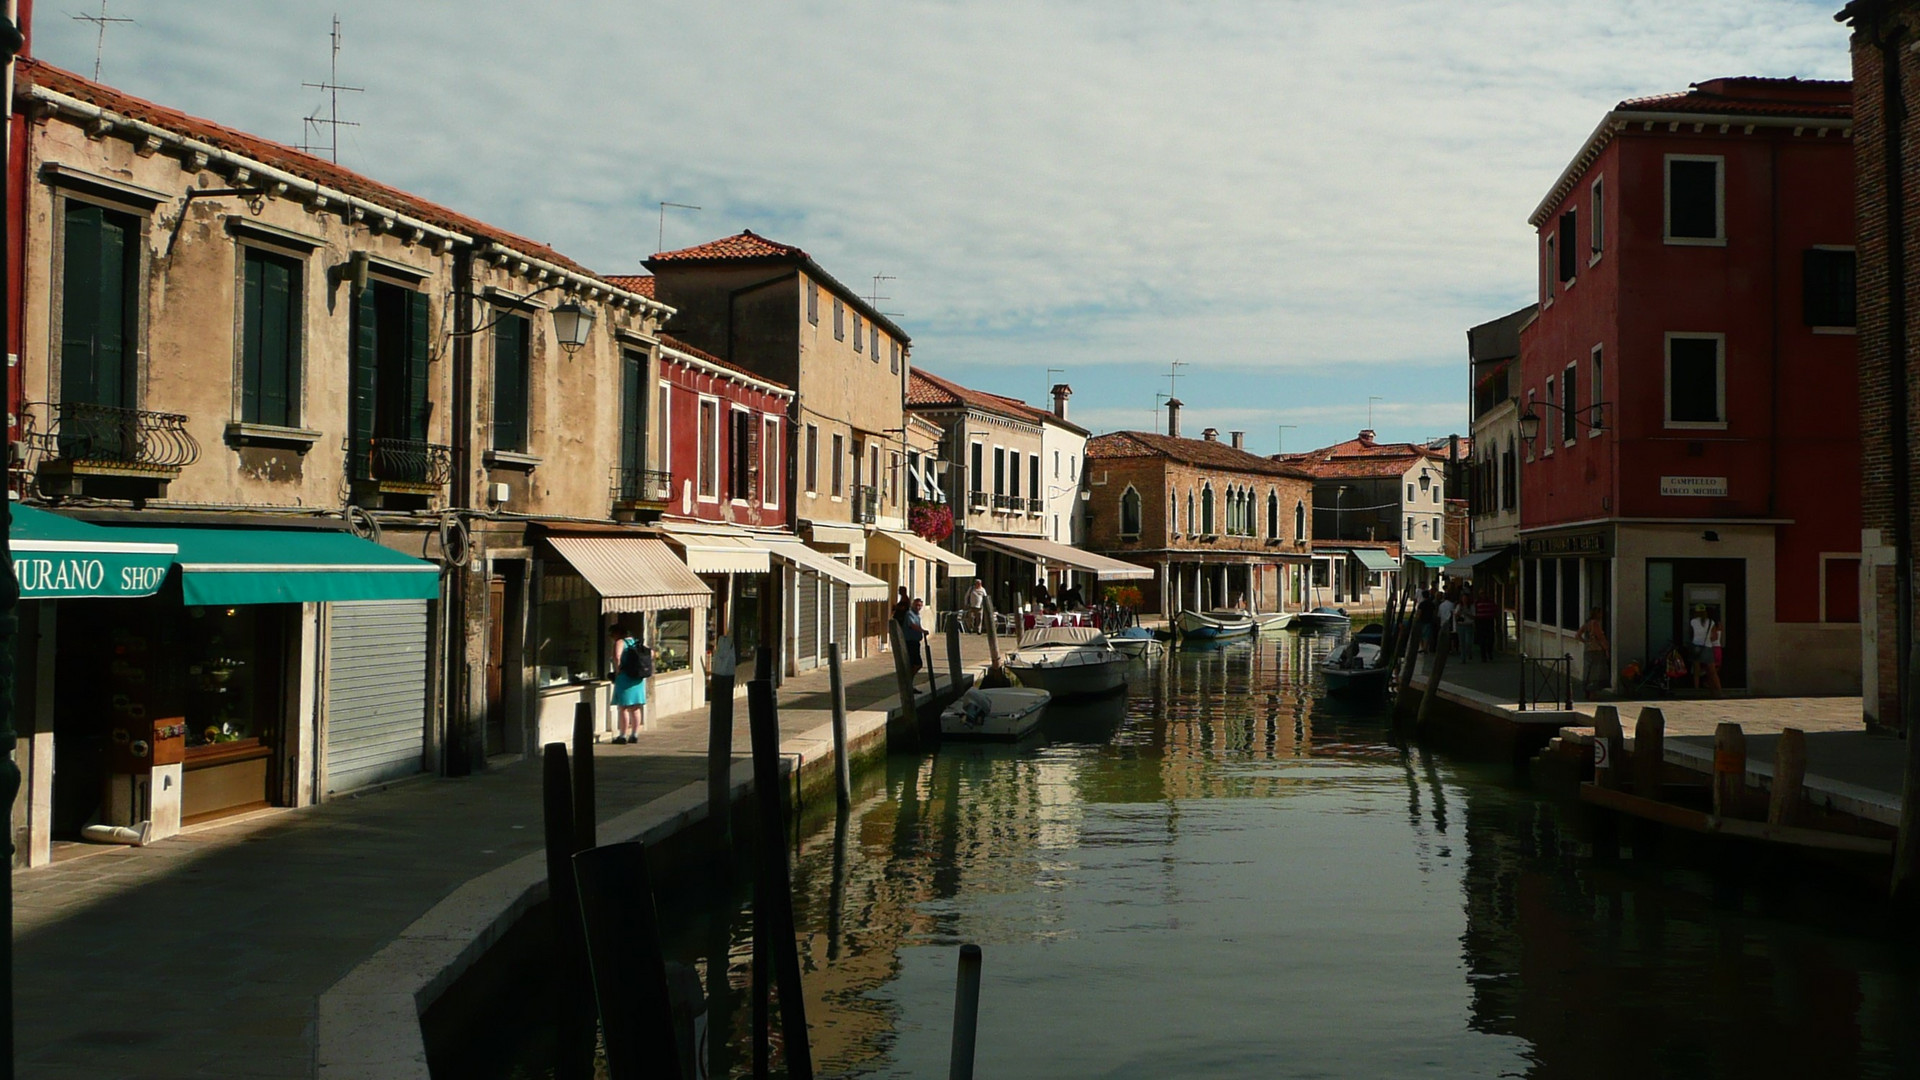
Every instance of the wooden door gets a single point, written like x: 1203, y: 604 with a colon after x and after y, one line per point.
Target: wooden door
x: 496, y: 734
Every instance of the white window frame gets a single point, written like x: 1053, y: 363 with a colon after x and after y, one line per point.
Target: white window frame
x: 1720, y: 382
x: 1597, y: 224
x: 1719, y: 239
x: 769, y: 461
x: 707, y: 459
x: 736, y: 407
x: 1596, y: 384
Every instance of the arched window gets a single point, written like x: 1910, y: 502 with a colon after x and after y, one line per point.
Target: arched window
x: 1190, y: 518
x: 1129, y: 513
x: 1173, y: 513
x: 1206, y: 510
x: 1300, y: 522
x: 1273, y: 514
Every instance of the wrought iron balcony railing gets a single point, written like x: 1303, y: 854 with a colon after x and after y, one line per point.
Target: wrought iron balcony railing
x: 110, y: 437
x: 978, y: 500
x: 1036, y: 507
x: 1004, y: 503
x: 641, y: 485
x: 866, y: 504
x: 406, y: 461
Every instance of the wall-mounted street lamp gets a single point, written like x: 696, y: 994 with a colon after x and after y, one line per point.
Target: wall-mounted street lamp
x: 1530, y: 420
x: 571, y: 323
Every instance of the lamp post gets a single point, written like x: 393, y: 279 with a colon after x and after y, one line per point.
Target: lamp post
x: 10, y: 42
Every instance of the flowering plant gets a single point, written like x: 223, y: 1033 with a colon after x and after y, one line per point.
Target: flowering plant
x: 931, y: 521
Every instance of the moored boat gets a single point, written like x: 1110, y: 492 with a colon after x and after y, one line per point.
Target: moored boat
x: 1068, y: 662
x: 1319, y: 618
x: 1208, y: 625
x: 1137, y: 642
x: 1275, y: 620
x: 1356, y: 667
x: 1005, y: 713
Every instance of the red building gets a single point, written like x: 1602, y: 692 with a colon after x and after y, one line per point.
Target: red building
x: 1691, y: 385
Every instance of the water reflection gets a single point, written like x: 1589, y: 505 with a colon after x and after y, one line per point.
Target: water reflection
x: 1224, y: 873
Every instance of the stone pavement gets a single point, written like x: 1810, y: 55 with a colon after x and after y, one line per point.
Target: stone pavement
x: 204, y: 955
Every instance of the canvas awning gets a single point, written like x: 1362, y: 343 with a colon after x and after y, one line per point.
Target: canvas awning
x: 286, y: 566
x: 1435, y: 561
x: 923, y: 549
x: 1376, y: 560
x: 719, y: 549
x: 1466, y: 563
x: 58, y: 558
x: 633, y: 573
x: 847, y: 536
x: 860, y: 585
x: 1036, y: 549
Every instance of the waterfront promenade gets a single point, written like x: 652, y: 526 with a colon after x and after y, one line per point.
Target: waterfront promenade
x: 216, y: 953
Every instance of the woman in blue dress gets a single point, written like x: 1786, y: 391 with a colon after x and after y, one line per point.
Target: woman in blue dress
x: 631, y: 666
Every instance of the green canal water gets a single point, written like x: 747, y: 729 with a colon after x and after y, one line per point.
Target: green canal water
x: 1227, y: 874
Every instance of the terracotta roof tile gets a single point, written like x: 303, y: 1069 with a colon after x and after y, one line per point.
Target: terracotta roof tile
x: 929, y: 391
x: 743, y: 245
x: 280, y: 156
x: 638, y: 284
x: 1201, y: 452
x: 1359, y: 457
x: 1754, y: 96
x: 668, y: 341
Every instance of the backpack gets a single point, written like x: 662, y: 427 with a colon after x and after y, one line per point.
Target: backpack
x: 637, y: 661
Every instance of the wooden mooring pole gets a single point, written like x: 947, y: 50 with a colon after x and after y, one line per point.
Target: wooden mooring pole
x: 966, y: 1013
x: 953, y: 652
x: 776, y: 897
x: 1789, y: 778
x: 573, y: 1011
x: 1609, y: 747
x: 585, y: 818
x: 629, y: 970
x: 903, y: 673
x: 842, y: 770
x: 1649, y: 752
x: 720, y: 754
x: 1729, y: 769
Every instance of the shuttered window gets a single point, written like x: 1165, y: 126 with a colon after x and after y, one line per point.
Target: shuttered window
x: 1827, y: 291
x: 633, y: 412
x: 1693, y: 198
x: 1569, y: 245
x: 510, y: 378
x: 99, y: 306
x: 389, y: 398
x: 270, y: 344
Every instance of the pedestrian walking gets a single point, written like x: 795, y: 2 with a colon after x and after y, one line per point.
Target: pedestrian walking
x: 1426, y: 618
x: 1593, y: 638
x: 1464, y: 625
x: 1486, y: 623
x: 977, y: 607
x: 1703, y: 630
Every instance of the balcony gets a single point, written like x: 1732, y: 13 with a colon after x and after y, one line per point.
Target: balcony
x: 400, y: 474
x: 1036, y: 507
x: 104, y: 451
x: 1006, y: 504
x: 978, y: 501
x: 866, y: 504
x: 640, y: 489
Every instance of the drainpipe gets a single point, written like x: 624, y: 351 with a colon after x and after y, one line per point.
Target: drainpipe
x: 456, y: 697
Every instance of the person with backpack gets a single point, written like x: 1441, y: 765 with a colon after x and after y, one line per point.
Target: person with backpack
x: 632, y: 667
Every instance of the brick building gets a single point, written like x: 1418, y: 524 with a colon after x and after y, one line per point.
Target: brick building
x: 1218, y: 524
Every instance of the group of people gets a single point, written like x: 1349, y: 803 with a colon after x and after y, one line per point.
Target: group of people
x: 1043, y: 599
x: 1457, y: 610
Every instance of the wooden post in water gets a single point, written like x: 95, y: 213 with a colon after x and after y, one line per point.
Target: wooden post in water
x: 720, y: 753
x: 1649, y: 752
x: 993, y: 639
x: 763, y: 663
x: 573, y: 1012
x: 1609, y: 743
x: 842, y: 770
x: 933, y: 684
x: 763, y: 717
x: 953, y: 652
x: 966, y: 1013
x: 585, y: 818
x: 1408, y: 661
x: 1443, y: 644
x: 1729, y: 769
x: 903, y: 673
x: 629, y: 970
x: 1789, y: 776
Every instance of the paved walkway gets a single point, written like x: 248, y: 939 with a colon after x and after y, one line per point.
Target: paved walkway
x: 204, y: 955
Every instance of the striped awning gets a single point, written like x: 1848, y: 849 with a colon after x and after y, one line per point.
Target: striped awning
x: 923, y: 549
x: 633, y: 573
x: 860, y: 585
x: 719, y: 549
x: 1037, y: 550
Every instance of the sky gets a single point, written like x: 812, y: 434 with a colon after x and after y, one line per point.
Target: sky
x: 1303, y: 204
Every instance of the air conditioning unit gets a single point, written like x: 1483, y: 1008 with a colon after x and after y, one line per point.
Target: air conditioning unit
x: 499, y: 494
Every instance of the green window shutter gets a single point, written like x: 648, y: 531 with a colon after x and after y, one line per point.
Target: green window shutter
x: 365, y: 379
x: 113, y: 338
x: 510, y: 384
x: 80, y: 303
x: 633, y: 403
x: 277, y: 352
x: 419, y: 402
x: 250, y: 343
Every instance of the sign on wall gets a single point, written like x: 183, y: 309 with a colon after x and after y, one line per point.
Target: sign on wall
x: 1598, y: 542
x: 1710, y: 487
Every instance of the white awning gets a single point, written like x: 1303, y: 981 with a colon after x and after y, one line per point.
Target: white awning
x: 922, y: 549
x: 1035, y: 549
x: 632, y: 573
x: 847, y: 536
x: 860, y: 585
x: 719, y: 549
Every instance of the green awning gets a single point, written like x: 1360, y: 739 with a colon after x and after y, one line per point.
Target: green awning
x: 58, y: 558
x: 1435, y: 561
x: 1376, y: 560
x: 287, y: 566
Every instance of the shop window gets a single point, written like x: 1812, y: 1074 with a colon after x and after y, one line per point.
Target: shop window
x: 673, y: 640
x: 1826, y: 288
x: 1549, y: 590
x: 1694, y: 189
x: 1696, y: 380
x: 510, y: 383
x: 569, y: 627
x: 1129, y: 514
x: 1570, y: 614
x: 1322, y: 573
x: 1840, y: 590
x: 270, y: 342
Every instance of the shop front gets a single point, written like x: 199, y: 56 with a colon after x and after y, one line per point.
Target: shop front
x: 1060, y: 565
x: 819, y: 592
x: 736, y: 566
x: 927, y: 571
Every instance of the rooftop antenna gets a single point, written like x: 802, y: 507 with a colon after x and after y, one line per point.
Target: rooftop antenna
x: 1173, y: 372
x: 100, y: 40
x: 875, y: 297
x: 332, y: 86
x: 660, y: 241
x: 1280, y: 437
x: 1158, y: 397
x: 1052, y: 371
x: 1371, y: 398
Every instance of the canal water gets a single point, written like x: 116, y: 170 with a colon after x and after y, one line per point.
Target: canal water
x: 1226, y: 873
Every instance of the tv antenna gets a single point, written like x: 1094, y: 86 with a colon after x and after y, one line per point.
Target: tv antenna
x: 1173, y: 373
x: 1051, y: 372
x: 1371, y: 398
x: 660, y: 241
x: 875, y: 298
x: 332, y: 122
x: 1280, y: 437
x: 100, y: 40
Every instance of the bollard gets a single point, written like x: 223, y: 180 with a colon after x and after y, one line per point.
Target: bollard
x: 842, y: 770
x: 573, y: 1039
x: 1729, y: 769
x: 1649, y: 752
x: 1789, y: 776
x: 585, y: 819
x: 622, y: 934
x: 1608, y: 747
x: 776, y: 898
x: 966, y: 1013
x: 763, y: 663
x: 720, y: 753
x: 933, y: 684
x: 953, y: 652
x: 993, y: 639
x: 1408, y: 661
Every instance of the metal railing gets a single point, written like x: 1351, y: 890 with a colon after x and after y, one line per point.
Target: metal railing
x: 978, y: 500
x: 79, y: 433
x: 1036, y: 507
x: 1005, y: 502
x: 406, y: 461
x: 866, y: 503
x: 641, y: 485
x: 1547, y: 680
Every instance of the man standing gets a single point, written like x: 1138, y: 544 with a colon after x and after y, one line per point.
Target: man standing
x: 1443, y: 637
x: 1486, y: 621
x: 977, y: 607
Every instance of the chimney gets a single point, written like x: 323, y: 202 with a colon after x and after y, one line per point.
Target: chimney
x: 1239, y: 439
x: 1211, y: 434
x: 1061, y: 392
x: 1366, y: 436
x: 1173, y: 416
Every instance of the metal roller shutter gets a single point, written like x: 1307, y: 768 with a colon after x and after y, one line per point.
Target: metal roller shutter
x: 806, y: 651
x: 376, y: 692
x: 840, y: 610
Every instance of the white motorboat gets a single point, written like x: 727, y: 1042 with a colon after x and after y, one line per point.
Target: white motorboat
x: 1208, y: 625
x: 1355, y: 667
x: 1005, y: 713
x: 1068, y: 662
x: 1319, y: 618
x: 1138, y: 643
x: 1275, y: 620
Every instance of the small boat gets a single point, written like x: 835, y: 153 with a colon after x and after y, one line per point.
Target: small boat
x: 1319, y: 618
x: 1137, y: 642
x: 1209, y: 625
x: 1068, y: 662
x: 1372, y: 633
x: 1275, y: 620
x: 1006, y: 713
x: 1356, y: 667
